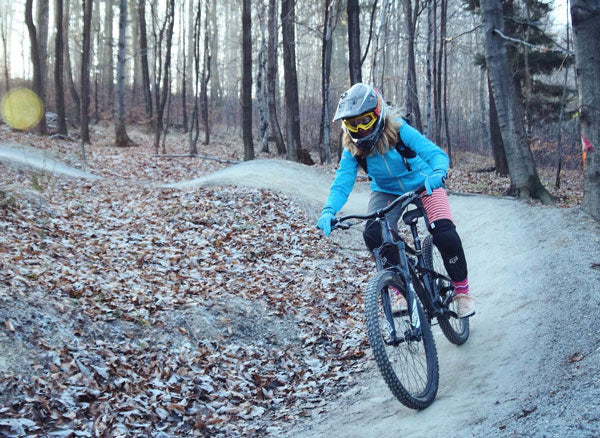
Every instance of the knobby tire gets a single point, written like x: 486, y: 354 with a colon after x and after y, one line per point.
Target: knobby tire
x: 456, y: 330
x: 398, y: 378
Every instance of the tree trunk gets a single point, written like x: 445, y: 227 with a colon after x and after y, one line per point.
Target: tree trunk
x: 261, y: 86
x: 41, y: 22
x: 85, y: 72
x: 380, y: 47
x: 271, y: 78
x: 292, y: 104
x: 412, y: 97
x: 354, y: 64
x: 58, y: 70
x: 195, y: 120
x: 330, y: 8
x: 440, y: 65
x: 144, y: 57
x: 4, y: 26
x: 109, y: 68
x: 184, y: 66
x: 35, y: 59
x: 206, y: 75
x: 525, y: 182
x: 430, y: 26
x: 247, y: 80
x: 586, y: 37
x: 164, y: 92
x: 215, y: 80
x: 67, y: 58
x: 121, y: 137
x: 495, y: 135
x: 445, y: 85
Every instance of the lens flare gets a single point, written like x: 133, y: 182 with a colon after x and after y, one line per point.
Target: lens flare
x: 21, y: 109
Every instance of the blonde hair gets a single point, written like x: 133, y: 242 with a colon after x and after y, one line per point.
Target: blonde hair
x: 388, y: 138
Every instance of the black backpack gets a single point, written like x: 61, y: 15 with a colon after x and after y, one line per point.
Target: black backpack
x: 402, y: 149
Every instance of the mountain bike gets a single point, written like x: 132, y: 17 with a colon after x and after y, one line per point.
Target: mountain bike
x: 401, y: 339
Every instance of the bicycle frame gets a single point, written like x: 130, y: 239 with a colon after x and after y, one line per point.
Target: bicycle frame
x: 413, y: 275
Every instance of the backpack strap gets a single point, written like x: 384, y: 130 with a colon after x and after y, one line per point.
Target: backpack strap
x: 362, y: 162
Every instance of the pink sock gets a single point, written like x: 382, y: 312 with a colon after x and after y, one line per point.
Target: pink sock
x: 461, y: 287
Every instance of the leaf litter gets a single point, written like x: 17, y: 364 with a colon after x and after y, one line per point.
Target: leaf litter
x: 131, y: 310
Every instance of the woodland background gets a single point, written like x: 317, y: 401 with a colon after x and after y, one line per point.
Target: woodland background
x: 129, y: 309
x: 271, y: 72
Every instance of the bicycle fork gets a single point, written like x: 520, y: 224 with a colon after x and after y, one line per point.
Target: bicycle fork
x: 402, y: 269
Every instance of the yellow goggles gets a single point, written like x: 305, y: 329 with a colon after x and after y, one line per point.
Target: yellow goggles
x: 364, y: 122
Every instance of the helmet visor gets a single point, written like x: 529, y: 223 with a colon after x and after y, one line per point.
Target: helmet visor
x: 364, y: 122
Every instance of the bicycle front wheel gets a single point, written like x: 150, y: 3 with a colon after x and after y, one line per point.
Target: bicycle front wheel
x: 455, y: 329
x: 408, y: 361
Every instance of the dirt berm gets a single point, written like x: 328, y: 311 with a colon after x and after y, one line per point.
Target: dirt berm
x: 532, y: 364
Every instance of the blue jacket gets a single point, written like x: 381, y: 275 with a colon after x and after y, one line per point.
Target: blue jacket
x: 388, y: 172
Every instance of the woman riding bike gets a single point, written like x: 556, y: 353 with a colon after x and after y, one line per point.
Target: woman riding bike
x: 397, y: 159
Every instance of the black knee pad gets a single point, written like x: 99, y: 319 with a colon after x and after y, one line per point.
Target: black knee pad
x: 372, y: 234
x: 447, y: 241
x: 374, y: 239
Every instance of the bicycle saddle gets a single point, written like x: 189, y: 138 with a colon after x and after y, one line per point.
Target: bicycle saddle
x: 411, y: 216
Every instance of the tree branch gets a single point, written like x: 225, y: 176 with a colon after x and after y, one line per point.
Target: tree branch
x: 525, y: 43
x: 536, y: 27
x: 452, y: 38
x: 370, y: 32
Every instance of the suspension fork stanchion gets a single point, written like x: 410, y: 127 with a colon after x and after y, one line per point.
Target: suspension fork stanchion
x: 415, y: 321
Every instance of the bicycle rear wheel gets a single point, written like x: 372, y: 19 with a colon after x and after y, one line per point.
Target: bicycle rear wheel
x: 455, y: 329
x: 409, y: 364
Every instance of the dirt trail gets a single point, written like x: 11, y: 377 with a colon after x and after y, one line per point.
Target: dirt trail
x: 531, y: 271
x: 535, y: 274
x: 17, y: 154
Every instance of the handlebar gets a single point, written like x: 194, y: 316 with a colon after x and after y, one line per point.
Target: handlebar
x: 405, y: 200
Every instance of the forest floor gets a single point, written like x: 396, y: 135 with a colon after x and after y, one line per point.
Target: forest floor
x: 179, y: 296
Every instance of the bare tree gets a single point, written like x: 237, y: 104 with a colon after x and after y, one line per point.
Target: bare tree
x: 108, y: 67
x: 41, y: 22
x: 195, y: 120
x: 247, y: 80
x: 412, y: 98
x: 85, y: 74
x: 161, y: 101
x: 215, y: 78
x: 525, y: 181
x: 272, y: 78
x: 496, y: 142
x: 586, y: 37
x: 121, y: 137
x: 67, y: 58
x: 292, y: 103
x: 58, y: 69
x: 144, y: 57
x: 380, y: 46
x: 35, y: 58
x: 354, y: 62
x: 261, y: 86
x: 184, y: 66
x: 206, y: 74
x: 5, y: 24
x: 330, y: 7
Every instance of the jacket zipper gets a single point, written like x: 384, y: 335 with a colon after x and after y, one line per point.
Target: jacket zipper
x: 392, y: 175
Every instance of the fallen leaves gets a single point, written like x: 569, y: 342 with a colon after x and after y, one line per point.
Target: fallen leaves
x: 575, y: 357
x: 207, y: 312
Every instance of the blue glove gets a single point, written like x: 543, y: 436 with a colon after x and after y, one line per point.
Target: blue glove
x: 325, y: 221
x: 434, y: 181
